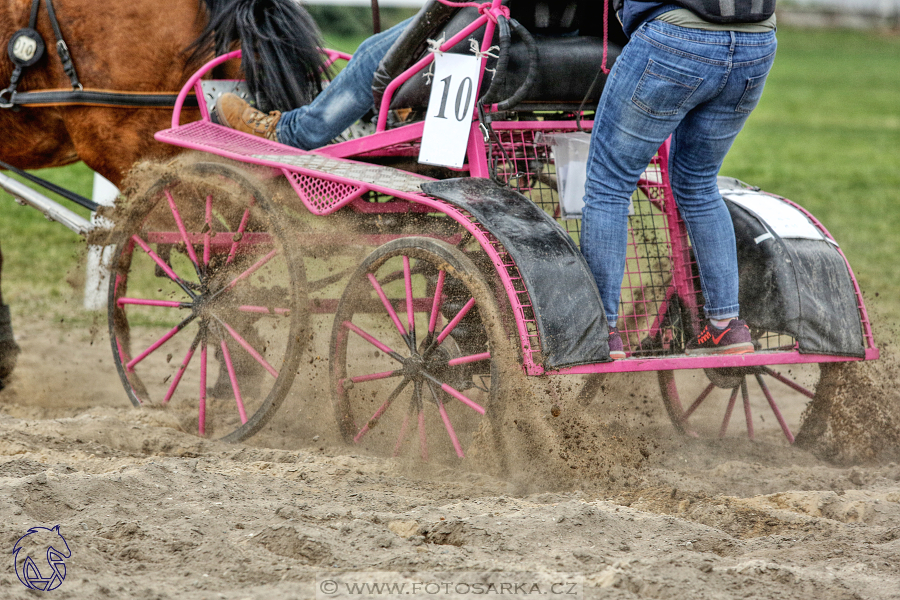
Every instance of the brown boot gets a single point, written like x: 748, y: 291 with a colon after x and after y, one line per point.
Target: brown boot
x: 234, y: 112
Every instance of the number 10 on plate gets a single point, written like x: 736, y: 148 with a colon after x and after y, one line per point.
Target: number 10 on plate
x: 450, y: 106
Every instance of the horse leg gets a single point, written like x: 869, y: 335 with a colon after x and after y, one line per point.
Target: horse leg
x: 9, y: 350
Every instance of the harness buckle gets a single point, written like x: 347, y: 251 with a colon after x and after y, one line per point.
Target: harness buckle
x: 12, y: 97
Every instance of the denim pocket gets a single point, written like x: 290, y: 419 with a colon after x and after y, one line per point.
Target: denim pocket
x: 752, y: 93
x: 662, y: 91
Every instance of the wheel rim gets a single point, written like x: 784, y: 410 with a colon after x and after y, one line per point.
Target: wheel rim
x: 772, y: 399
x: 412, y: 367
x: 203, y: 303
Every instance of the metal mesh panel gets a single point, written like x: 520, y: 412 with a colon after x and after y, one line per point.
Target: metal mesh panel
x: 322, y: 196
x: 205, y: 135
x: 654, y: 320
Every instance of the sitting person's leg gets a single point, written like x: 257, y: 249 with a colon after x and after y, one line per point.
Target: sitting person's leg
x: 343, y: 102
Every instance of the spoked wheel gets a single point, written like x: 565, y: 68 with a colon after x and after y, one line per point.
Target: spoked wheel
x: 416, y: 351
x: 772, y: 399
x: 206, y: 306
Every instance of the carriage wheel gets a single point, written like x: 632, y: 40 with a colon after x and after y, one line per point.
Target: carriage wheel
x: 772, y: 399
x: 416, y: 352
x: 206, y: 306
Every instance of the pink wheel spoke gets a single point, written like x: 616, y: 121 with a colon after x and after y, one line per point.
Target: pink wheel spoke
x: 464, y: 360
x: 374, y: 376
x: 184, y: 236
x: 145, y: 302
x: 687, y: 414
x: 206, y: 234
x: 162, y: 265
x: 239, y: 233
x: 415, y: 401
x: 774, y: 407
x: 410, y: 315
x: 250, y: 349
x: 255, y: 267
x: 447, y: 425
x: 423, y: 441
x: 201, y: 409
x: 234, y: 382
x: 169, y: 335
x: 387, y: 403
x: 748, y: 416
x: 388, y: 306
x: 459, y: 396
x: 791, y: 384
x: 728, y: 410
x: 372, y: 341
x: 182, y: 368
x: 455, y: 321
x: 436, y: 304
x: 402, y: 436
x: 266, y: 310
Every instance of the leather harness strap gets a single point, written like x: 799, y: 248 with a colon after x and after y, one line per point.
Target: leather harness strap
x: 77, y: 95
x: 109, y: 98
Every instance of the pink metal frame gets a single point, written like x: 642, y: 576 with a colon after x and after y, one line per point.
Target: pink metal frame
x: 207, y: 137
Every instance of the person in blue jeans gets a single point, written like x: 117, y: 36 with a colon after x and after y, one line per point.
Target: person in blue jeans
x: 343, y: 102
x: 698, y: 81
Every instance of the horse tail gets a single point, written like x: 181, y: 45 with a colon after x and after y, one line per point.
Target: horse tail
x: 282, y: 58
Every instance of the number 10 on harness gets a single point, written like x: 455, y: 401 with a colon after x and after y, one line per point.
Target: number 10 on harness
x: 449, y: 117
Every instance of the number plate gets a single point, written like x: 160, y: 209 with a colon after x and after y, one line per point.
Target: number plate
x: 450, y: 110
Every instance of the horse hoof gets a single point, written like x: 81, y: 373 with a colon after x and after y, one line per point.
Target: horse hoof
x: 9, y: 349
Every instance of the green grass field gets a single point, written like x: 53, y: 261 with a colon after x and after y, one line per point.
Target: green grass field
x: 826, y: 135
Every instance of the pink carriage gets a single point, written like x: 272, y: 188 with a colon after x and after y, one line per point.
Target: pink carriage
x: 433, y: 286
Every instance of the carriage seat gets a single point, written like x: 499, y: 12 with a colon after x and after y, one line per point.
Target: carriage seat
x: 569, y: 59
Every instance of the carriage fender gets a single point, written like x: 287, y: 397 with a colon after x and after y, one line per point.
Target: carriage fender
x: 567, y: 307
x: 801, y: 287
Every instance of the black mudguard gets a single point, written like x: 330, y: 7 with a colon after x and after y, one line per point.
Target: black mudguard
x: 800, y: 287
x: 567, y: 306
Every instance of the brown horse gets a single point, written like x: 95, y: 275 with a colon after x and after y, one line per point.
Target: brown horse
x: 142, y: 46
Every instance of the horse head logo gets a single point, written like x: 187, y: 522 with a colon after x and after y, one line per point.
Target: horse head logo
x: 46, y: 544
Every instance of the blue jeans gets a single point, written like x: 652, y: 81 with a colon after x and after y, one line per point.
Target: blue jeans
x: 700, y: 86
x: 343, y: 102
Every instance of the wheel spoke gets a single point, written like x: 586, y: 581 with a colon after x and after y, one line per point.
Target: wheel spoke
x: 182, y: 368
x: 208, y: 228
x: 436, y: 304
x: 160, y: 303
x: 775, y: 410
x: 255, y: 267
x: 169, y: 335
x: 162, y: 265
x: 372, y: 341
x: 455, y: 321
x: 447, y: 425
x: 788, y: 382
x: 373, y: 376
x: 423, y: 440
x: 250, y: 349
x: 387, y: 403
x: 464, y: 360
x: 181, y: 229
x: 748, y: 416
x: 232, y: 376
x: 687, y: 414
x: 240, y: 232
x: 413, y: 402
x: 410, y: 315
x: 447, y: 388
x: 201, y: 406
x: 730, y: 408
x: 389, y: 308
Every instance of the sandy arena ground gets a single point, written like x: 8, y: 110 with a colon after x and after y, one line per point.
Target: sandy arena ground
x: 151, y: 511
